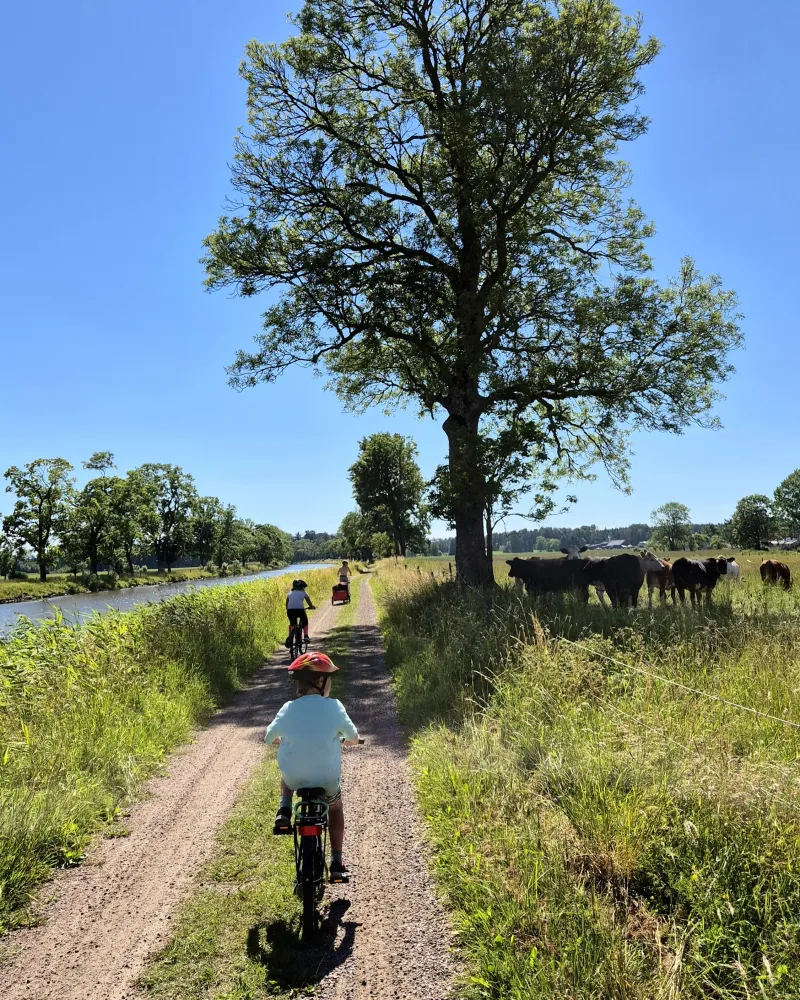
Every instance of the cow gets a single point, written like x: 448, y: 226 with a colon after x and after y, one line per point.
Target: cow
x: 661, y: 580
x: 733, y: 568
x: 697, y: 576
x: 620, y: 576
x: 773, y: 571
x: 549, y: 576
x: 575, y: 552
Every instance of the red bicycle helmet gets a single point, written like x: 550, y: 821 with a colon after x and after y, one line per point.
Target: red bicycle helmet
x: 317, y: 663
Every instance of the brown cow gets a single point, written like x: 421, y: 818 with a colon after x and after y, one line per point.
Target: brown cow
x: 661, y: 580
x: 773, y: 571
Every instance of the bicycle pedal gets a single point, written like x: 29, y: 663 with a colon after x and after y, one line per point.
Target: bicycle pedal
x: 339, y: 879
x: 281, y: 831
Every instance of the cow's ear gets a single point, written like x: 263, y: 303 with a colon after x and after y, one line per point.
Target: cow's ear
x: 565, y: 551
x: 731, y: 558
x: 583, y: 548
x: 510, y: 562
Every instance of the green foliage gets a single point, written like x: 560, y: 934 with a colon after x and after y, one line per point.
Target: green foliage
x: 388, y: 488
x: 448, y: 222
x: 787, y: 500
x: 673, y: 527
x: 599, y: 833
x: 42, y: 489
x: 355, y: 533
x: 751, y: 523
x: 87, y: 712
x: 168, y: 494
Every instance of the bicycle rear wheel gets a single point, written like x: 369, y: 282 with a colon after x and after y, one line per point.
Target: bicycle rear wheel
x: 309, y: 876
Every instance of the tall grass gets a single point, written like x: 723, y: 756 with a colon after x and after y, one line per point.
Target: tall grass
x: 87, y: 712
x: 598, y: 831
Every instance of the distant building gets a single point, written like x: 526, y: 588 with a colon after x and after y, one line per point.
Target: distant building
x: 613, y: 543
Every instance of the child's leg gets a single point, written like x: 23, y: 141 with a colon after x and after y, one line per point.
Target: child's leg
x: 336, y: 828
x: 305, y: 623
x: 286, y: 795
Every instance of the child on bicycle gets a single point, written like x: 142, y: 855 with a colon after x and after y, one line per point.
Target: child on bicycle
x: 296, y: 601
x: 308, y: 730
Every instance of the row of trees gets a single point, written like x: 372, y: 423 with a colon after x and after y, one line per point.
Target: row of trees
x: 154, y: 511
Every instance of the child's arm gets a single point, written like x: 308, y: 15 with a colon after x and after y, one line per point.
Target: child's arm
x: 309, y: 600
x: 346, y: 727
x: 275, y: 728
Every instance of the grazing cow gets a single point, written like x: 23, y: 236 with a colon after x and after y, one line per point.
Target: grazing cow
x: 773, y: 571
x: 621, y: 576
x: 661, y: 580
x: 574, y: 552
x: 549, y: 576
x: 697, y: 576
x: 733, y: 568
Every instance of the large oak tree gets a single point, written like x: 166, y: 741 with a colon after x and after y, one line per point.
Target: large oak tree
x: 436, y: 188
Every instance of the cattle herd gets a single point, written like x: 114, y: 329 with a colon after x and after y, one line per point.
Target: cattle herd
x: 620, y: 577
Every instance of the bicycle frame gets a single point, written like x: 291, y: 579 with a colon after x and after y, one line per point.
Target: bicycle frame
x: 310, y: 842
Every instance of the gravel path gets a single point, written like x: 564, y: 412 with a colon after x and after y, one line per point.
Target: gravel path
x: 390, y: 940
x: 109, y: 914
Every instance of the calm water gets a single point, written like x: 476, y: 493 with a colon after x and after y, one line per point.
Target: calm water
x: 77, y: 606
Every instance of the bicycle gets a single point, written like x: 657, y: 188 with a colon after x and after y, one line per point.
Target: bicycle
x: 298, y: 640
x: 310, y: 829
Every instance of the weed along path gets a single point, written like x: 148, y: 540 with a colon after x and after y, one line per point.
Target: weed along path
x: 108, y: 915
x: 392, y: 941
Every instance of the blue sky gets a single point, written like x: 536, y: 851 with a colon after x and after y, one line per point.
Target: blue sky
x: 117, y: 124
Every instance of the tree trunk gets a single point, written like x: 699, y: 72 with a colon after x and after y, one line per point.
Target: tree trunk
x: 489, y: 542
x: 42, y: 570
x: 467, y: 484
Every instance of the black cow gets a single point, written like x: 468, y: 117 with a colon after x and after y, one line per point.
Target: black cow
x: 621, y: 576
x: 696, y: 576
x: 550, y: 576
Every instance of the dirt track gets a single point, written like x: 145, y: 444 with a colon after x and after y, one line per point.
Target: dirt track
x: 392, y: 941
x: 385, y: 937
x: 114, y: 910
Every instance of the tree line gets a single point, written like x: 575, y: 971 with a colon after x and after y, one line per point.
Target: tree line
x: 112, y: 521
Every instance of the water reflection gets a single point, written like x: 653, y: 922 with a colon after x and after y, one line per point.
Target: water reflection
x: 77, y: 606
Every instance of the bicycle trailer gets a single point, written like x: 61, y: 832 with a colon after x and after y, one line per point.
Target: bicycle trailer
x: 340, y: 594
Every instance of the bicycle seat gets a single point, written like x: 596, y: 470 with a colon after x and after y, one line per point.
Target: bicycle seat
x: 310, y: 793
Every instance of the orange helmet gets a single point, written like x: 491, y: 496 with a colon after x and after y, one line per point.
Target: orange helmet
x: 317, y: 663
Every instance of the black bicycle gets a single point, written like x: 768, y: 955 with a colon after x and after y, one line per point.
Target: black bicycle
x: 298, y: 641
x: 310, y: 829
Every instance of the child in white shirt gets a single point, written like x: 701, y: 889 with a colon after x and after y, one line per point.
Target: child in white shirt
x: 309, y: 730
x: 296, y: 601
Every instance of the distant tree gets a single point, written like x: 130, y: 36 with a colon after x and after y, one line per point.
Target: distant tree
x: 42, y: 488
x: 169, y: 495
x: 672, y: 526
x: 381, y: 544
x: 87, y: 528
x: 10, y: 554
x: 541, y: 544
x: 130, y: 507
x: 100, y: 461
x: 226, y: 538
x: 272, y: 547
x: 388, y: 487
x: 787, y: 502
x: 751, y: 523
x: 356, y: 535
x: 553, y: 544
x: 205, y: 527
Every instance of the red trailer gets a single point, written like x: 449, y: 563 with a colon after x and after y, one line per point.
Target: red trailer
x: 340, y: 594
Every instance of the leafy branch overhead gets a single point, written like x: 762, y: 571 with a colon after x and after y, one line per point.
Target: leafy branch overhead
x: 436, y: 189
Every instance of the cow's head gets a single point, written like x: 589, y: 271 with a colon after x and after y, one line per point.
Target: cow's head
x: 573, y: 552
x: 722, y: 565
x: 650, y: 562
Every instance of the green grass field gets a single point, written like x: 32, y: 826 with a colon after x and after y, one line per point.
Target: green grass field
x: 88, y: 712
x: 606, y: 822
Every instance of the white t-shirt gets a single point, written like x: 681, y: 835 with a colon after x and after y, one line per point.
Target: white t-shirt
x: 310, y: 754
x: 297, y: 599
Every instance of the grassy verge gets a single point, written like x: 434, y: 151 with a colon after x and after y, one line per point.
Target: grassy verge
x: 600, y: 833
x: 58, y: 584
x: 236, y: 937
x: 87, y: 712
